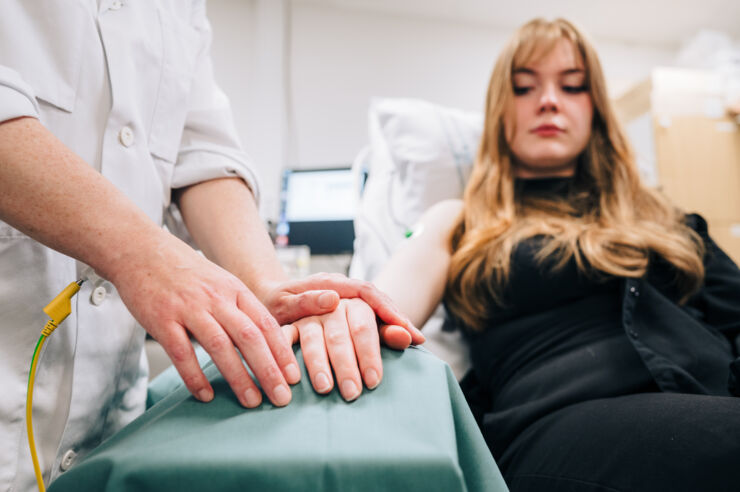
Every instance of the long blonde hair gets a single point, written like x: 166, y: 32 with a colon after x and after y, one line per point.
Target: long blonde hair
x: 609, y: 223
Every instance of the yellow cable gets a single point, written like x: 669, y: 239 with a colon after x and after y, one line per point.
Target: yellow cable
x: 57, y: 310
x: 29, y: 413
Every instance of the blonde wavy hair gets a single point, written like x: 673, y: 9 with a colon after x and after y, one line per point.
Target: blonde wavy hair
x: 610, y: 223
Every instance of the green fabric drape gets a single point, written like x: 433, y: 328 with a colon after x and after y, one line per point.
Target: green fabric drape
x: 413, y: 432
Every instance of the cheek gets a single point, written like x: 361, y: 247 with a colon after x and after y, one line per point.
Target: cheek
x: 516, y: 123
x: 582, y: 118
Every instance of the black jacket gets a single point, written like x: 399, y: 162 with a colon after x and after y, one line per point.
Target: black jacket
x: 689, y: 348
x: 686, y: 347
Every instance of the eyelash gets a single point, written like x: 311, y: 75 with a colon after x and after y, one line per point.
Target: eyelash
x: 570, y: 89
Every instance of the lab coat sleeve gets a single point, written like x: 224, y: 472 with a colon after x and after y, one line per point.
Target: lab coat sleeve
x: 16, y: 96
x: 209, y: 147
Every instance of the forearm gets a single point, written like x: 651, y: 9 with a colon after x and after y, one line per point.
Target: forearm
x: 222, y: 218
x: 52, y: 195
x: 416, y: 274
x: 414, y: 279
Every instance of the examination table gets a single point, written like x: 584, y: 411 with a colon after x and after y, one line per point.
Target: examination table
x: 413, y: 432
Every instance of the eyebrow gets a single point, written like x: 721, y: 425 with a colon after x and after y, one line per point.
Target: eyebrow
x: 533, y: 72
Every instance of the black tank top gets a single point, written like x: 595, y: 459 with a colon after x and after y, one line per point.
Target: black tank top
x: 559, y: 340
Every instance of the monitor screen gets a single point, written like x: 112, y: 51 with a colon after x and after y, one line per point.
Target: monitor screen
x: 319, y: 206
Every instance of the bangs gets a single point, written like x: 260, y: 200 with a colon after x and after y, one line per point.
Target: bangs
x: 539, y: 37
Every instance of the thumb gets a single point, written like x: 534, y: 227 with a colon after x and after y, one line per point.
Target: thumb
x: 310, y: 303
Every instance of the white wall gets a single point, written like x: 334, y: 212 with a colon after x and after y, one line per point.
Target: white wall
x: 247, y: 51
x: 304, y: 103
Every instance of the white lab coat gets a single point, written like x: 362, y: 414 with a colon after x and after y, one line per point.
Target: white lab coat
x: 128, y: 86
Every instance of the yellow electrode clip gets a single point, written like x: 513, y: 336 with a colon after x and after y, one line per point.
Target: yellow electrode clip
x: 57, y: 310
x: 60, y: 307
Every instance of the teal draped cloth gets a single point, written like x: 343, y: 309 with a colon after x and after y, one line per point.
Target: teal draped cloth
x: 413, y: 432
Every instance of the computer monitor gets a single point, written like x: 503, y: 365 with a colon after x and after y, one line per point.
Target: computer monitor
x: 319, y: 206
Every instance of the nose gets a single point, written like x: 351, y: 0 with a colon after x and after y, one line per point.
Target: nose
x: 549, y: 101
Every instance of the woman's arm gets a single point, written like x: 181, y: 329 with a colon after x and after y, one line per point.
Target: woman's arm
x: 415, y: 276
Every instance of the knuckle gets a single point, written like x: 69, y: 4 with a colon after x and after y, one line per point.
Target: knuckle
x: 366, y: 288
x: 335, y: 337
x: 318, y: 363
x: 266, y: 321
x: 280, y: 310
x: 272, y: 373
x: 192, y: 380
x: 248, y: 335
x: 179, y: 353
x: 323, y: 277
x: 361, y: 307
x: 311, y: 337
x: 218, y: 342
x: 305, y: 301
x: 363, y: 327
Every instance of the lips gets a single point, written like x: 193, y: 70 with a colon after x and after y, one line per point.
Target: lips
x: 548, y: 130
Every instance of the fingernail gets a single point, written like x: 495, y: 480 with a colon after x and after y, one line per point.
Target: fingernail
x: 252, y: 397
x: 371, y: 378
x: 327, y: 300
x: 205, y: 395
x: 282, y: 395
x: 321, y: 383
x: 350, y: 391
x: 292, y: 374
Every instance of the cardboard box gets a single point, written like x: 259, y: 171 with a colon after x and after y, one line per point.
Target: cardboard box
x: 697, y: 147
x: 696, y: 143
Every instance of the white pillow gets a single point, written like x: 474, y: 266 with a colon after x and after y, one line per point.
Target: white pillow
x: 420, y: 153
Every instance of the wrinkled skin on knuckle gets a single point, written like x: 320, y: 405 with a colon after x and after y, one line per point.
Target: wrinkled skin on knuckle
x: 266, y: 322
x: 271, y: 373
x: 334, y: 337
x: 179, y: 353
x: 362, y: 328
x: 248, y: 335
x: 311, y: 337
x: 367, y: 289
x: 305, y: 302
x: 322, y: 277
x: 316, y: 363
x: 218, y: 342
x: 192, y: 381
x: 279, y: 308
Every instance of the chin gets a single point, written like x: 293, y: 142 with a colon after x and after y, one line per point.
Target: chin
x: 548, y: 160
x: 545, y: 164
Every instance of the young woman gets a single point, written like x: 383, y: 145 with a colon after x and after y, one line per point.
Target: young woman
x: 603, y: 322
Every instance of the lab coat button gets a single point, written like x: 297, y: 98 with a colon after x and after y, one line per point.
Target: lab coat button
x: 98, y: 295
x: 126, y: 136
x: 67, y: 460
x: 117, y: 4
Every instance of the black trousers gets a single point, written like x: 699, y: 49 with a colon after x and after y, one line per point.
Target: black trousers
x: 643, y: 442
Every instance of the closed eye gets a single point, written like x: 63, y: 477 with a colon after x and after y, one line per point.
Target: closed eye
x: 575, y: 89
x: 520, y: 91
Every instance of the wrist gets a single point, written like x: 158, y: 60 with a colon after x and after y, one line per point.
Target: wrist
x: 264, y: 286
x: 141, y: 253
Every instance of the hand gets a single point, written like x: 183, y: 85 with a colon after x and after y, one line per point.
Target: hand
x: 348, y: 337
x: 174, y: 292
x: 293, y: 300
